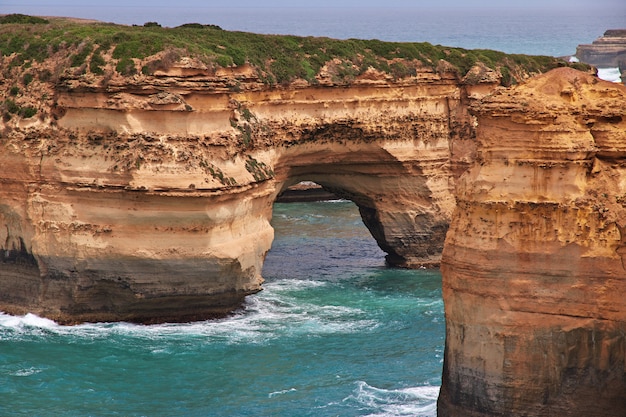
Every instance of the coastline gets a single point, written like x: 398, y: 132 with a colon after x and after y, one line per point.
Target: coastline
x: 305, y: 192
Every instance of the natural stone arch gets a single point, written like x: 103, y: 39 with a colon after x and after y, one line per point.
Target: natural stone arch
x: 147, y: 213
x: 404, y: 203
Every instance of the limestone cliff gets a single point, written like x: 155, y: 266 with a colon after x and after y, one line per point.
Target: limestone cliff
x: 534, y: 265
x: 148, y: 198
x: 139, y: 165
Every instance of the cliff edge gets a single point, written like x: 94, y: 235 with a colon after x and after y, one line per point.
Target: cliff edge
x: 140, y: 164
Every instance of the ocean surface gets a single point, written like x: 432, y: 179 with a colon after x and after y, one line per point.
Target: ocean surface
x: 335, y: 332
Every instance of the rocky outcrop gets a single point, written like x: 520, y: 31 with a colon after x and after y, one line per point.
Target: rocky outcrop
x: 534, y: 265
x: 148, y: 198
x: 139, y: 165
x: 608, y: 51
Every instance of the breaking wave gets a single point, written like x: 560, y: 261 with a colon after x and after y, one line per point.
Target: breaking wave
x: 413, y: 401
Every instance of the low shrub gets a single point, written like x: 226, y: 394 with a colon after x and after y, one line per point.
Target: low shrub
x: 97, y: 63
x: 126, y: 66
x: 27, y: 78
x: 22, y: 19
x: 27, y: 112
x: 78, y: 59
x: 277, y: 58
x: 11, y: 106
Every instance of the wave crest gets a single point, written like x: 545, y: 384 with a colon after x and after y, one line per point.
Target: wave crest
x: 418, y: 401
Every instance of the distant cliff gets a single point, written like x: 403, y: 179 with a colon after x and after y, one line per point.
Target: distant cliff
x: 607, y: 51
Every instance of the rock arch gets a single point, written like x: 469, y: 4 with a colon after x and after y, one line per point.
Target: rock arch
x: 148, y: 213
x: 404, y: 203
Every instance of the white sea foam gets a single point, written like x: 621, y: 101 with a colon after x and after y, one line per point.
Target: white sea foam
x: 285, y: 391
x: 294, y: 284
x: 26, y: 372
x: 272, y: 314
x: 28, y: 320
x: 418, y: 401
x: 610, y: 74
x: 279, y: 313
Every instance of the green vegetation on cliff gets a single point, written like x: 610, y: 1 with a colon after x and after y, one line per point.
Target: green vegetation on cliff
x: 85, y: 47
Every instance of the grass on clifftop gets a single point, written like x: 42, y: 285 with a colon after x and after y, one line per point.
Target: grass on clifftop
x: 278, y: 58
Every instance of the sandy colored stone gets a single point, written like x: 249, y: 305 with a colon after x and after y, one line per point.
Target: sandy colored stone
x: 608, y: 50
x: 148, y: 198
x: 534, y: 265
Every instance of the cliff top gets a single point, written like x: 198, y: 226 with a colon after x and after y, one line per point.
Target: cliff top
x: 75, y: 47
x: 615, y: 33
x: 563, y: 91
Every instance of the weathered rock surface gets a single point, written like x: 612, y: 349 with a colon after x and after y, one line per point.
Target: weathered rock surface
x: 534, y: 265
x: 149, y: 198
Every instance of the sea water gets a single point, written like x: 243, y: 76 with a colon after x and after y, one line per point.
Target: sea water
x: 334, y: 333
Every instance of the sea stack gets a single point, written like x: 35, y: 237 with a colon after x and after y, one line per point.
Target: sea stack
x: 606, y: 51
x: 534, y: 265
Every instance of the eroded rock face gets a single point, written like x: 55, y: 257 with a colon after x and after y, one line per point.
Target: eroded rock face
x: 534, y: 265
x: 149, y: 198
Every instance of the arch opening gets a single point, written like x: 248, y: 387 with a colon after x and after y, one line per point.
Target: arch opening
x: 319, y: 190
x: 319, y: 234
x: 399, y: 211
x: 402, y: 187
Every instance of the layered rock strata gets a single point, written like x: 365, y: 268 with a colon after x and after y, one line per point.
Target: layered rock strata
x: 149, y: 198
x: 534, y: 265
x: 608, y: 51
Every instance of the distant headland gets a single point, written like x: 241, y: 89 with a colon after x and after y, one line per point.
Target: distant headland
x: 608, y: 51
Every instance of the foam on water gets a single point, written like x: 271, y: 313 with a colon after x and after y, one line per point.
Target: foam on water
x: 413, y: 401
x: 27, y: 321
x: 610, y: 74
x: 274, y: 313
x: 281, y: 392
x: 25, y: 372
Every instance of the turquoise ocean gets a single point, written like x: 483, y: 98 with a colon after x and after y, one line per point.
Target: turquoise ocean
x: 334, y: 332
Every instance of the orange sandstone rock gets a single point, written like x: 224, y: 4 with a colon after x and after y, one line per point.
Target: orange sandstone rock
x: 534, y: 265
x: 148, y: 198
